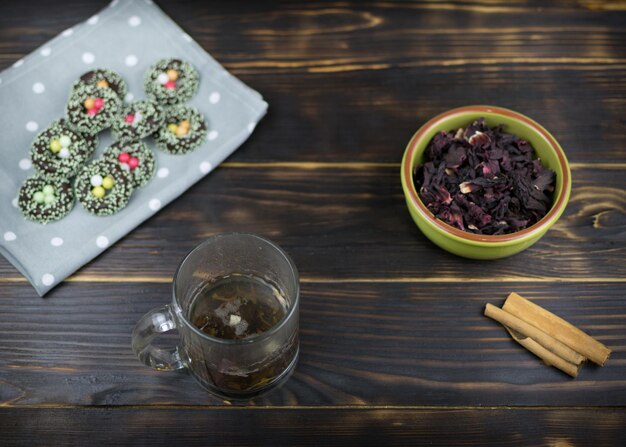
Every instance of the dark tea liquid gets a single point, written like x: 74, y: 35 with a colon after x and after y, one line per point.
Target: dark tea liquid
x: 240, y: 307
x: 237, y: 307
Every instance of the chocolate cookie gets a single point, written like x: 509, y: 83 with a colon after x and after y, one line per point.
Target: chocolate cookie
x: 43, y: 200
x: 171, y: 81
x: 59, y: 152
x: 138, y: 120
x: 103, y: 187
x: 184, y: 130
x: 91, y: 109
x: 103, y: 78
x: 136, y: 158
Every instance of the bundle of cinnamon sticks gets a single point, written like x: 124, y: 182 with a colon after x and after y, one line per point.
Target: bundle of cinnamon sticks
x: 549, y: 337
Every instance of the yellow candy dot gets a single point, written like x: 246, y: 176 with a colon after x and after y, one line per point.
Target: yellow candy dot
x: 98, y: 192
x: 108, y: 182
x: 55, y: 146
x: 185, y: 124
x: 89, y: 103
x: 181, y: 131
x: 172, y: 128
x: 102, y: 83
x: 172, y: 74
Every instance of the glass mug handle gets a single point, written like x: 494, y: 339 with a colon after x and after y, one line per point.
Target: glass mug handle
x: 156, y: 321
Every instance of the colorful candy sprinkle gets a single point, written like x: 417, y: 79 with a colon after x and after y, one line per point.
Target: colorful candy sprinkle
x: 102, y: 83
x: 133, y: 162
x: 64, y: 152
x: 98, y: 192
x: 129, y: 118
x: 170, y: 85
x: 127, y: 162
x: 108, y: 182
x: 46, y: 195
x: 172, y: 74
x: 181, y: 129
x: 163, y: 78
x: 65, y: 141
x: 96, y: 180
x: 55, y: 146
x: 93, y: 106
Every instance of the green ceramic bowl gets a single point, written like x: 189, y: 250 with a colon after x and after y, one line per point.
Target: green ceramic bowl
x: 478, y: 246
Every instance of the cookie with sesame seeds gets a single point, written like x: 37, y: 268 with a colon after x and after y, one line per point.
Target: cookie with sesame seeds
x: 103, y: 188
x: 103, y: 78
x: 136, y: 158
x: 44, y: 200
x: 171, y: 81
x: 183, y: 130
x: 138, y: 120
x: 90, y: 109
x: 59, y: 152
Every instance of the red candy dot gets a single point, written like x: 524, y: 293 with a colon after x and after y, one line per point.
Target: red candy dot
x: 133, y: 162
x: 92, y: 111
x: 123, y: 157
x: 129, y: 118
x: 98, y: 103
x: 170, y: 84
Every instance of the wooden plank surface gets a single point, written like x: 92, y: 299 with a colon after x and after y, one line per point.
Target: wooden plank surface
x: 363, y: 427
x: 361, y: 344
x: 394, y: 346
x: 289, y: 427
x: 391, y: 67
x: 346, y: 223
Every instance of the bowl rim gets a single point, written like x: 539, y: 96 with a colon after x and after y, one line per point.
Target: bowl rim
x: 438, y: 121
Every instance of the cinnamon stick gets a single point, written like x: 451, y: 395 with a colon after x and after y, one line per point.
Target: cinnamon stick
x: 546, y: 341
x: 557, y: 328
x: 548, y: 357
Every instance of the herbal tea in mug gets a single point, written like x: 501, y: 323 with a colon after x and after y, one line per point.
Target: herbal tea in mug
x: 235, y: 306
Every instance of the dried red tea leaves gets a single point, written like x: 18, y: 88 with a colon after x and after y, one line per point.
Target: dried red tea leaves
x: 483, y: 180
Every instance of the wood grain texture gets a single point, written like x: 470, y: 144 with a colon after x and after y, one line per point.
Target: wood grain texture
x: 391, y: 67
x: 347, y: 224
x: 395, y: 349
x: 314, y: 427
x: 361, y: 344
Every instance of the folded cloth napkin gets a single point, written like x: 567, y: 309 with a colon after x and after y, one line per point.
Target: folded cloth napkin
x: 127, y: 37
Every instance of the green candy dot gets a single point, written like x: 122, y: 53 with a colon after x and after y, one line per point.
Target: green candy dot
x: 48, y: 190
x: 65, y: 141
x: 38, y: 197
x: 49, y: 199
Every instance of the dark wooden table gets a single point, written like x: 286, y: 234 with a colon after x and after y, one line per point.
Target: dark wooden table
x: 394, y: 348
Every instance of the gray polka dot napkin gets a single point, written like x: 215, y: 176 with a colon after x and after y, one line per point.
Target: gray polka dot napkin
x: 127, y: 37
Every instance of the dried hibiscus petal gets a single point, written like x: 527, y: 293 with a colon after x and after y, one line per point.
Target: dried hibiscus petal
x: 484, y: 180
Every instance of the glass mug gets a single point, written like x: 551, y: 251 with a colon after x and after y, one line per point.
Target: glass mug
x: 231, y: 368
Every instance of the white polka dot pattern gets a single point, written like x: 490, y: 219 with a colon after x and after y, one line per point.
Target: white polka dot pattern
x: 131, y: 60
x: 47, y: 279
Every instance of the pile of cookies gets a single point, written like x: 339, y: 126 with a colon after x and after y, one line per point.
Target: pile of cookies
x: 61, y: 154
